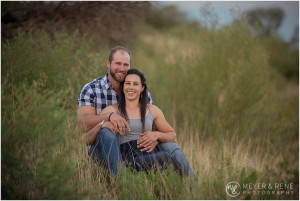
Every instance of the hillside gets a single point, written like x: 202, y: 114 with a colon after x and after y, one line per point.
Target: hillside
x: 232, y: 109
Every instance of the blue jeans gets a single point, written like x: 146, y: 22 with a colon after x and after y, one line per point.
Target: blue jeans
x: 143, y: 161
x: 106, y: 150
x: 177, y: 156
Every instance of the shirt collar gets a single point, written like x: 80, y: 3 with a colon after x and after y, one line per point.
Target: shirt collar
x: 107, y: 83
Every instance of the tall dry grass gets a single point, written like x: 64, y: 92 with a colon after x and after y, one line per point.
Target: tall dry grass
x: 216, y: 89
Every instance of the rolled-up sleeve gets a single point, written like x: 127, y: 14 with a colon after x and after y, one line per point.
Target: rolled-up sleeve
x: 87, y: 96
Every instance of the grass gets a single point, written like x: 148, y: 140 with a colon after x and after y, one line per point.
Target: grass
x: 216, y: 89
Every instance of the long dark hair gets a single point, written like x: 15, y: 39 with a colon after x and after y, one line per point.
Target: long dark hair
x: 143, y: 98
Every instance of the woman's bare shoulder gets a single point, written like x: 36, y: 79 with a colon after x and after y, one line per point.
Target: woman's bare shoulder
x: 154, y: 109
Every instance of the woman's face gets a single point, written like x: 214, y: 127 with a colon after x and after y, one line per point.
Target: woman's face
x: 132, y: 87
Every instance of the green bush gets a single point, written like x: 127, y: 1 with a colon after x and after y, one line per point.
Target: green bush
x: 210, y: 80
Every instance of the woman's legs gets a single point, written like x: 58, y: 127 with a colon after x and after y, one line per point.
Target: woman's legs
x: 143, y: 161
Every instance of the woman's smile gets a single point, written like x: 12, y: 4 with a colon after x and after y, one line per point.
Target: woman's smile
x: 132, y: 86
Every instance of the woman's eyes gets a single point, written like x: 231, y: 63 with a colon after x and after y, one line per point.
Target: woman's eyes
x: 135, y: 83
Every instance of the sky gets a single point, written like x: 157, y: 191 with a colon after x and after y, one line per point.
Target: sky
x: 222, y: 10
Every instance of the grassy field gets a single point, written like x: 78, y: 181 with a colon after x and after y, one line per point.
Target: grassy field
x: 232, y: 115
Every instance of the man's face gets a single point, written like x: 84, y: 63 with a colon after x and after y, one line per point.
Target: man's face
x: 119, y: 65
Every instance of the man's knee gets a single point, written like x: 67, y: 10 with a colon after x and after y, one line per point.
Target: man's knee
x: 169, y: 147
x: 107, y: 136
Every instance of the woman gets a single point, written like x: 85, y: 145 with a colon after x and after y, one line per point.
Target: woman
x: 141, y: 116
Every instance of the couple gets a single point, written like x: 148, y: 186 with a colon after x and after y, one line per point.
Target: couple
x: 117, y: 113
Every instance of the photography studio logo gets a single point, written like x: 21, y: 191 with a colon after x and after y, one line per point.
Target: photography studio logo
x: 233, y: 189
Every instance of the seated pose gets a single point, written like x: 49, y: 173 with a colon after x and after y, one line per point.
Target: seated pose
x: 141, y: 116
x: 103, y: 144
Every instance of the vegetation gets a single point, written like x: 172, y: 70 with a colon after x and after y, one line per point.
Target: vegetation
x: 233, y: 112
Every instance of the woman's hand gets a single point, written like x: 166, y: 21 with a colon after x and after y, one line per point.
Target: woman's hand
x: 148, y: 141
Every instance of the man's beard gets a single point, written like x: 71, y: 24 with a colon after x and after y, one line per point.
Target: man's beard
x: 113, y: 74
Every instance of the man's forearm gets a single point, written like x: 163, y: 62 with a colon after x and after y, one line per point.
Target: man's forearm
x: 89, y: 121
x: 89, y: 137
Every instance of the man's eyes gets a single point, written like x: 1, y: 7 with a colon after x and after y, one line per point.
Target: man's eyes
x: 119, y: 64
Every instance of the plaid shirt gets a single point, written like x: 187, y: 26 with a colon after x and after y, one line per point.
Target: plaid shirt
x: 99, y: 94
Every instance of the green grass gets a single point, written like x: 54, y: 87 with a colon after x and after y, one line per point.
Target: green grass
x: 216, y: 88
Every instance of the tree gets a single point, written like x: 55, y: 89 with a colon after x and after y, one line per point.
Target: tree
x: 104, y: 21
x: 165, y: 17
x: 265, y: 22
x: 294, y: 42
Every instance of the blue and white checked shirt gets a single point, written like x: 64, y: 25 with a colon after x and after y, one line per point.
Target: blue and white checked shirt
x: 99, y: 94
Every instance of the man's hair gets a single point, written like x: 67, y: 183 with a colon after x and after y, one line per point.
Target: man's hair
x: 114, y: 50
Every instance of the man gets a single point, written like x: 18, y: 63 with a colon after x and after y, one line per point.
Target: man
x: 95, y: 96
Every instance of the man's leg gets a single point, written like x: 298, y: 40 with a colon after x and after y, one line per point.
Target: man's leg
x: 177, y: 156
x: 106, y: 149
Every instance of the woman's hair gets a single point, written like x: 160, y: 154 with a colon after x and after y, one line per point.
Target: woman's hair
x: 143, y: 97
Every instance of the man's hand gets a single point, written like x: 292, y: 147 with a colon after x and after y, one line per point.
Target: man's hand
x: 109, y: 125
x: 148, y: 141
x: 120, y: 124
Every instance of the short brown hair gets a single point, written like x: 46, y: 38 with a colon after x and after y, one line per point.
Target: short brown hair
x: 114, y: 50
